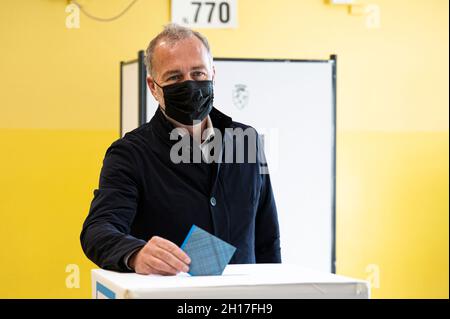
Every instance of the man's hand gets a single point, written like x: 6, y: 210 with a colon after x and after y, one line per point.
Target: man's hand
x: 159, y: 256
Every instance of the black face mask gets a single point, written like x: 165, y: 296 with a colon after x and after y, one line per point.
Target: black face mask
x: 188, y: 101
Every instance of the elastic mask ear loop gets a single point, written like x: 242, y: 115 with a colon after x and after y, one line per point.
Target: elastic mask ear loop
x: 159, y: 105
x: 157, y: 84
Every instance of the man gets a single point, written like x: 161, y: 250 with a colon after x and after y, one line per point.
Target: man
x: 147, y: 200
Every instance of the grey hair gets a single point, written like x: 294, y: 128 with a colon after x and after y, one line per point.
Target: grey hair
x: 174, y: 33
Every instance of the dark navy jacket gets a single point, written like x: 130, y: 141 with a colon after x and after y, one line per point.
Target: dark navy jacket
x: 142, y: 193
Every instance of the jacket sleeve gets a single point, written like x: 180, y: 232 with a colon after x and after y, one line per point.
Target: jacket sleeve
x: 267, y: 232
x: 105, y: 237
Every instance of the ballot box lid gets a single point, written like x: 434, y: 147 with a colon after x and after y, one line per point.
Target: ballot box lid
x: 237, y: 281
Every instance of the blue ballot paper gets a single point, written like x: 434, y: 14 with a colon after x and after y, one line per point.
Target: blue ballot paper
x: 209, y: 254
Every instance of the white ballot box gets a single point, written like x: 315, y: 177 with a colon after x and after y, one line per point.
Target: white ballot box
x: 271, y: 281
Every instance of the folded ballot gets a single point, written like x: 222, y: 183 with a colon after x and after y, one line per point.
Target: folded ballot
x: 209, y: 254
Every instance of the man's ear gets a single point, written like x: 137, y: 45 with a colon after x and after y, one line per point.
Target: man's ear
x: 214, y: 74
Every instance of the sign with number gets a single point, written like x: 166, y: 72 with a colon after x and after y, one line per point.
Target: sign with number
x: 205, y: 14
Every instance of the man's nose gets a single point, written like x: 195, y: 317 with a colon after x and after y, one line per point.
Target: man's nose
x: 187, y: 77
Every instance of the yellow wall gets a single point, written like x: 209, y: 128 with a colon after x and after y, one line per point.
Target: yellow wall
x: 59, y: 93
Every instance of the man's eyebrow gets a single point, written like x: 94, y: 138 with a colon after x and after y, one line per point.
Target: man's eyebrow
x: 198, y: 67
x: 171, y: 72
x: 174, y: 72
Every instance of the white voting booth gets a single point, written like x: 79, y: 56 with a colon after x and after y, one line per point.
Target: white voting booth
x: 293, y: 104
x: 258, y: 281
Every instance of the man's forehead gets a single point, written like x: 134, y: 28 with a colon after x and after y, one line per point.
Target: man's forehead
x: 173, y: 44
x: 188, y: 53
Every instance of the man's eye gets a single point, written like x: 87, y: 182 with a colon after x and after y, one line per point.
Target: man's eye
x: 173, y: 78
x: 198, y: 74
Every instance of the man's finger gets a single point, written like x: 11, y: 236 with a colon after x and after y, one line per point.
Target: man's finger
x: 173, y: 249
x: 161, y: 266
x: 169, y: 258
x: 150, y: 270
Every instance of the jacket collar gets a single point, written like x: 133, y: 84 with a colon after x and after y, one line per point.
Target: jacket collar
x: 162, y: 127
